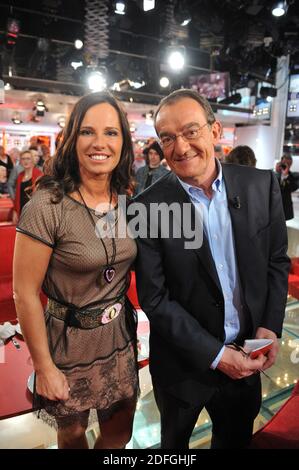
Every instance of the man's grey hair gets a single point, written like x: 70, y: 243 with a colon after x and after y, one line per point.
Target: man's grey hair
x: 187, y: 93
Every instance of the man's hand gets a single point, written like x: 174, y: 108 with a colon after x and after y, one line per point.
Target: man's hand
x: 264, y: 333
x: 237, y: 366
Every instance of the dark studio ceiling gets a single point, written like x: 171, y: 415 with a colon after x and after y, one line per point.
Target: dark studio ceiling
x: 236, y: 36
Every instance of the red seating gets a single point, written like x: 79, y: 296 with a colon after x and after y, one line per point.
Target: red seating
x: 6, y: 209
x: 295, y: 266
x: 7, y: 243
x: 282, y: 431
x: 294, y: 278
x: 132, y: 292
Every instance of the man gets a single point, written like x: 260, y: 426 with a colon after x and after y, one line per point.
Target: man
x: 288, y: 182
x: 153, y: 170
x: 201, y: 300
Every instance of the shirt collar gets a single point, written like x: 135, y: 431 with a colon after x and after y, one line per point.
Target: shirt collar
x: 217, y: 184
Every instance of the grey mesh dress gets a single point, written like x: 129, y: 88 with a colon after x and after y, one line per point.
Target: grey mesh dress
x: 99, y: 362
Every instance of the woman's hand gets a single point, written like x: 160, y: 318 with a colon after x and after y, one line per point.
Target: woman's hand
x: 52, y: 384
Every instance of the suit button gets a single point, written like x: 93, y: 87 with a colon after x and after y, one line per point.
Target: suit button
x: 219, y: 304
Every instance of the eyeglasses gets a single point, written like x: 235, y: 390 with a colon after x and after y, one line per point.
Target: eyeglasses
x: 188, y: 135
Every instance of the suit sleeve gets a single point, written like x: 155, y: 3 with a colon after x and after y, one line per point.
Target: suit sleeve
x: 279, y: 263
x: 167, y: 317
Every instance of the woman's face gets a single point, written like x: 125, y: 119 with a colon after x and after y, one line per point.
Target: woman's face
x: 99, y: 141
x: 26, y: 160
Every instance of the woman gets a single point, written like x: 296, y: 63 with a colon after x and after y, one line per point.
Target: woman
x: 25, y: 180
x: 3, y: 181
x: 5, y: 161
x: 84, y: 351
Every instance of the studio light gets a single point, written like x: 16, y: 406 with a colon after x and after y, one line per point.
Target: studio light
x: 233, y: 99
x: 182, y: 13
x: 97, y: 79
x: 76, y: 65
x: 61, y: 122
x: 40, y: 108
x: 16, y: 119
x: 279, y: 8
x: 148, y: 5
x: 78, y: 44
x: 176, y: 58
x: 164, y: 82
x: 120, y: 7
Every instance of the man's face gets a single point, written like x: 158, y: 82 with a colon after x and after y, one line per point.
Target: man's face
x: 153, y: 158
x: 287, y: 162
x: 189, y: 160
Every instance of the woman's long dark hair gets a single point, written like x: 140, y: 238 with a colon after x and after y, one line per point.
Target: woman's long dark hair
x: 63, y: 177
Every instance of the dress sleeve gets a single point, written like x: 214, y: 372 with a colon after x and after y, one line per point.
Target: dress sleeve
x: 40, y: 218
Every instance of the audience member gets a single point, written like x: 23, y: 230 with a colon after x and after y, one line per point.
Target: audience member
x: 241, y: 155
x: 153, y: 170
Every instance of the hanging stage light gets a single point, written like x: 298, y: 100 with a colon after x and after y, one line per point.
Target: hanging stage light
x: 97, y: 79
x: 148, y: 5
x: 176, y: 58
x: 78, y: 44
x: 164, y: 82
x: 279, y: 8
x: 120, y: 7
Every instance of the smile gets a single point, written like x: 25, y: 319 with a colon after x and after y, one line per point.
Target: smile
x: 100, y: 157
x: 185, y: 159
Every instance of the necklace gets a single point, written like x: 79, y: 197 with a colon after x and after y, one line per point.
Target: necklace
x: 108, y: 270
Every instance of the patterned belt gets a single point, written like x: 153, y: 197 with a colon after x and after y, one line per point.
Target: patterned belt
x: 84, y: 318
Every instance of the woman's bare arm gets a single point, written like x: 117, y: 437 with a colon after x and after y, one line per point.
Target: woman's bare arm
x: 31, y: 260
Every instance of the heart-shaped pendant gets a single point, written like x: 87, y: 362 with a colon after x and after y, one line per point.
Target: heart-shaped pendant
x: 109, y: 274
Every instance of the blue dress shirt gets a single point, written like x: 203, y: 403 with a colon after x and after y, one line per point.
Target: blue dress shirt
x: 218, y: 230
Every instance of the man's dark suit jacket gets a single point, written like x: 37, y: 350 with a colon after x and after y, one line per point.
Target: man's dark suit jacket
x: 180, y: 292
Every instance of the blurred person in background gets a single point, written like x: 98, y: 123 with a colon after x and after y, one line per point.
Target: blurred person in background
x: 14, y: 154
x: 153, y: 170
x: 241, y: 155
x: 5, y: 160
x: 3, y: 181
x: 18, y: 168
x: 218, y: 152
x: 25, y: 181
x: 288, y: 183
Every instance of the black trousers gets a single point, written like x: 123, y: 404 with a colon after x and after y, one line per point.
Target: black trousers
x: 232, y: 409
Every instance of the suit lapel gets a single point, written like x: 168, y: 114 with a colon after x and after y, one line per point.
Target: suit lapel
x: 235, y: 187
